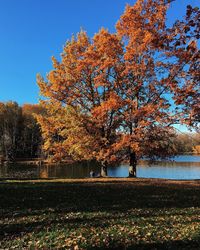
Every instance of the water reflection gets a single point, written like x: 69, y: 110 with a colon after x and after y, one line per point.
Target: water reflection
x: 67, y: 171
x: 19, y: 171
x: 182, y: 168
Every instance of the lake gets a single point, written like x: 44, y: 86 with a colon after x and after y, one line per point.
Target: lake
x: 182, y: 167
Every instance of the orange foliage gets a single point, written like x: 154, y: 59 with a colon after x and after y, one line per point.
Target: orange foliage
x: 196, y: 149
x: 124, y: 90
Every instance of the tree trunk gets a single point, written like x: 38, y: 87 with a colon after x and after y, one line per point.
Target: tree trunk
x: 104, y: 170
x: 133, y: 164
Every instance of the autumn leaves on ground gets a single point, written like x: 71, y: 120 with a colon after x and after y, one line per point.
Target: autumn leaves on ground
x: 116, y: 214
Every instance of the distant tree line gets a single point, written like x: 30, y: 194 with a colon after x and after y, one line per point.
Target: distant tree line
x: 20, y: 135
x: 187, y: 143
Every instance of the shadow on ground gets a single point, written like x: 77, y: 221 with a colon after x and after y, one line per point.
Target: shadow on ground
x: 103, y: 196
x: 106, y: 203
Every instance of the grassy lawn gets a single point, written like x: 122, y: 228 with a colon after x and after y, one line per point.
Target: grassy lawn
x: 98, y: 214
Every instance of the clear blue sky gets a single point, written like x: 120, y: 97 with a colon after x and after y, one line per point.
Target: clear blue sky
x: 34, y: 30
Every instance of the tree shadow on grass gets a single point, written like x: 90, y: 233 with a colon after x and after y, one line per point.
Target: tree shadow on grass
x: 104, y: 197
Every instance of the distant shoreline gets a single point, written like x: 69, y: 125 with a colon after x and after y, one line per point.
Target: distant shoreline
x: 154, y: 181
x: 40, y: 161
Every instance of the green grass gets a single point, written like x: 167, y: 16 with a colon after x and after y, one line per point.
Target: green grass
x: 141, y: 214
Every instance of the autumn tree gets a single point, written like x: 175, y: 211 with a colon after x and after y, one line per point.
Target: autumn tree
x: 126, y: 88
x: 146, y: 109
x: 161, y: 78
x: 31, y: 140
x: 196, y: 149
x: 184, y: 75
x: 20, y: 135
x: 86, y: 80
x: 10, y: 129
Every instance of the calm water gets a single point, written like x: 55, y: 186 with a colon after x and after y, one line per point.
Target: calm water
x: 183, y: 167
